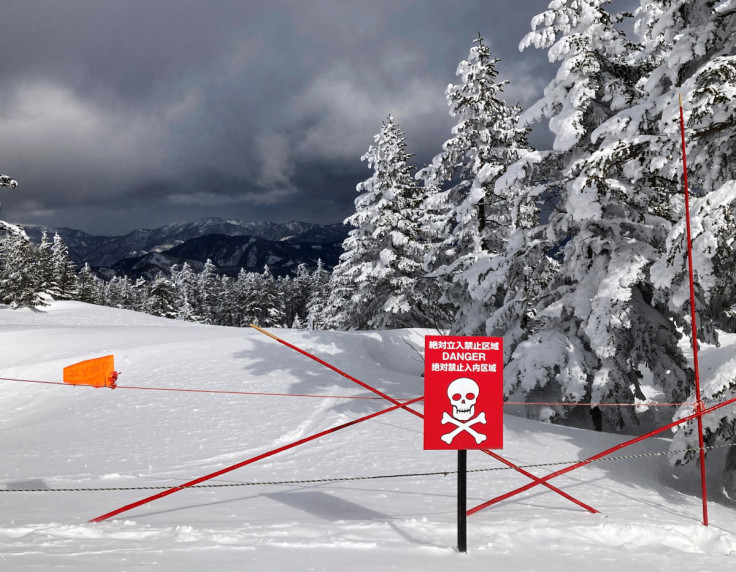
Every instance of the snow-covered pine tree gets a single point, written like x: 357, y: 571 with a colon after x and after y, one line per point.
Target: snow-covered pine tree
x: 185, y: 311
x: 187, y: 289
x: 701, y: 66
x: 120, y: 292
x: 87, y: 285
x: 139, y: 295
x: 288, y: 291
x: 319, y: 295
x: 509, y: 284
x: 379, y: 281
x: 113, y: 295
x: 696, y: 58
x: 268, y: 305
x: 296, y: 293
x: 21, y: 282
x: 7, y: 230
x: 245, y: 292
x: 227, y: 312
x: 45, y: 267
x: 207, y: 297
x: 102, y: 291
x: 336, y: 310
x: 596, y: 331
x: 468, y: 217
x: 162, y: 298
x: 65, y: 272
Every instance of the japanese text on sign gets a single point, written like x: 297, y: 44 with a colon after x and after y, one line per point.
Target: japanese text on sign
x: 463, y: 403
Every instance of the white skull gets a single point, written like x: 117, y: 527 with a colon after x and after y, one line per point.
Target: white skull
x: 463, y: 394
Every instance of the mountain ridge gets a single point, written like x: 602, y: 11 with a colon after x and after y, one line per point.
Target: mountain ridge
x: 144, y: 252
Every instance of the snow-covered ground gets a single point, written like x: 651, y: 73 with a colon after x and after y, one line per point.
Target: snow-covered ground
x: 55, y: 436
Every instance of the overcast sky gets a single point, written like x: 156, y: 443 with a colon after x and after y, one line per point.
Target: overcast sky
x: 123, y: 114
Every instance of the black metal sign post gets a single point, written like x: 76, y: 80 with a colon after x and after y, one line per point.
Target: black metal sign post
x: 462, y: 495
x: 463, y: 387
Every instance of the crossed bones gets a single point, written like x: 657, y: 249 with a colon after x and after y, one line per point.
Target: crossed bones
x: 479, y: 437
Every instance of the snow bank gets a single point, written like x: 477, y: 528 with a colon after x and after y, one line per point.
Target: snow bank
x: 55, y: 436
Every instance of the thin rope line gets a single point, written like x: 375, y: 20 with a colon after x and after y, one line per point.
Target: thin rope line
x: 184, y: 390
x: 365, y: 478
x: 573, y: 404
x: 226, y: 392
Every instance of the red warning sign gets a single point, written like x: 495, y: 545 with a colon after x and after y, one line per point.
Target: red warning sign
x: 463, y: 392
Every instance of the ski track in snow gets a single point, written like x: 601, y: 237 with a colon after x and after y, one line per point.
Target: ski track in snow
x: 67, y: 437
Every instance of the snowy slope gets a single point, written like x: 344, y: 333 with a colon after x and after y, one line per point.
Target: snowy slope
x: 55, y: 436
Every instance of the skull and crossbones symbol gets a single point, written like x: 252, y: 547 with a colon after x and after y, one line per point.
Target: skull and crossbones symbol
x: 463, y: 394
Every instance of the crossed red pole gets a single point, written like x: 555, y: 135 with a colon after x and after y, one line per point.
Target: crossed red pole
x: 704, y: 491
x: 405, y: 405
x: 421, y: 416
x: 397, y: 405
x: 699, y: 412
x: 248, y: 462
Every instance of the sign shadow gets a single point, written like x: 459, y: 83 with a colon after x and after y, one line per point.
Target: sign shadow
x: 332, y: 508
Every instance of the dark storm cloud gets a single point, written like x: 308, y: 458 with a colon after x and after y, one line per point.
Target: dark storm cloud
x: 121, y: 114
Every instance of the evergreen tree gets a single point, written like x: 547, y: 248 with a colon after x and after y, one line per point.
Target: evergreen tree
x: 108, y: 293
x: 100, y: 292
x: 699, y: 64
x: 139, y: 295
x: 468, y: 214
x: 337, y: 310
x: 65, y: 273
x: 246, y: 295
x: 378, y: 283
x: 596, y: 330
x: 296, y: 293
x: 319, y: 295
x: 207, y: 297
x: 118, y: 292
x: 47, y: 278
x: 266, y: 304
x: 692, y: 47
x: 87, y: 285
x: 7, y: 229
x: 187, y: 290
x: 21, y: 280
x: 227, y: 313
x: 287, y: 289
x: 506, y: 287
x: 162, y: 298
x: 185, y: 311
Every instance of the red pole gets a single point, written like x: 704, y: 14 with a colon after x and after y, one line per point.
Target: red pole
x: 703, y: 484
x: 414, y: 412
x: 546, y: 478
x: 247, y: 462
x: 333, y: 368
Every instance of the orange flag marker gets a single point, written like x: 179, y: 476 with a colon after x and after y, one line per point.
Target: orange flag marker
x: 98, y: 372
